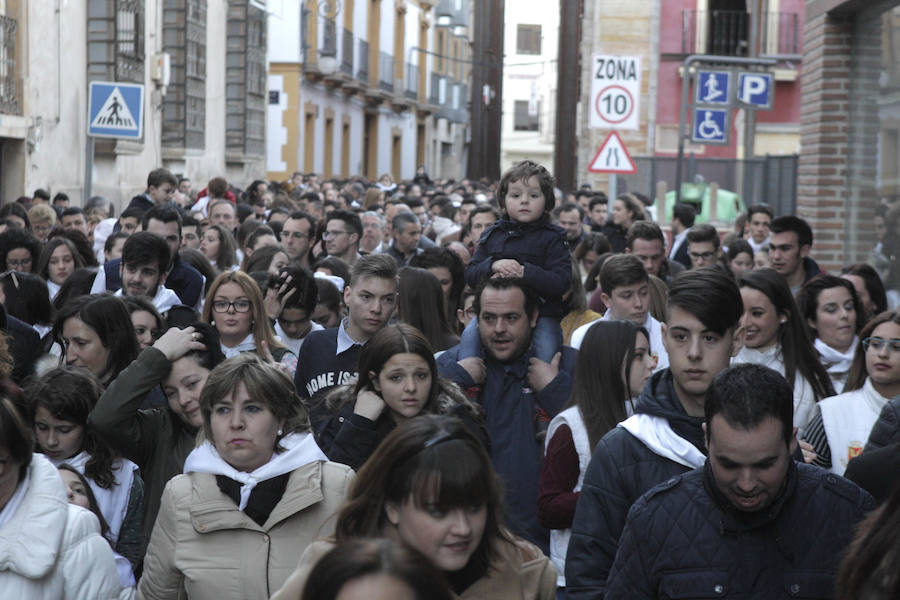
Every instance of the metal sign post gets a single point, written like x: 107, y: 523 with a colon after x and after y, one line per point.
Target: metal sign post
x: 712, y: 129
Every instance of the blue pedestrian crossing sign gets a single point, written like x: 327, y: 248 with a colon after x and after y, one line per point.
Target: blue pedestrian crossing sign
x: 756, y: 90
x: 116, y: 110
x: 713, y: 87
x: 711, y: 125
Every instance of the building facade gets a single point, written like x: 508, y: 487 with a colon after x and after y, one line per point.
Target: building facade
x: 202, y: 64
x: 850, y: 162
x: 371, y: 87
x: 529, y: 83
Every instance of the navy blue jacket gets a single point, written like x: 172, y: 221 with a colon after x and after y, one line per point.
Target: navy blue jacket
x: 516, y: 421
x: 886, y: 430
x: 683, y: 540
x: 621, y: 470
x: 540, y: 247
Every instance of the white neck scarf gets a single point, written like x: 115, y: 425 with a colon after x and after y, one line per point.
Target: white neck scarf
x: 300, y: 449
x: 833, y: 360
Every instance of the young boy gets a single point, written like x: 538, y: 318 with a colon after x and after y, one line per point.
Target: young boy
x: 524, y: 244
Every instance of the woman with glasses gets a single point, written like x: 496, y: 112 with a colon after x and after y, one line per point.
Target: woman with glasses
x: 841, y: 424
x: 19, y: 250
x: 235, y: 307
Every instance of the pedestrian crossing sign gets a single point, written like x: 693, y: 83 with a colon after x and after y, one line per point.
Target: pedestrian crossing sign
x: 116, y: 110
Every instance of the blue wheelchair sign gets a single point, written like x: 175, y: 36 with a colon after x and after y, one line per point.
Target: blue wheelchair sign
x: 116, y: 110
x: 756, y: 90
x: 713, y: 87
x: 711, y: 126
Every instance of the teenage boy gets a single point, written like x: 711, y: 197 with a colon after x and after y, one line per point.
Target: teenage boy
x: 625, y: 287
x: 665, y: 436
x: 329, y: 357
x: 759, y: 220
x: 142, y: 270
x: 789, y: 248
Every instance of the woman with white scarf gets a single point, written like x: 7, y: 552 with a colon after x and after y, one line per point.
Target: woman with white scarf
x: 253, y: 495
x: 775, y: 337
x: 834, y: 316
x: 841, y: 424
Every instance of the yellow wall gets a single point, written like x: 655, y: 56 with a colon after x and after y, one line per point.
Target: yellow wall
x: 290, y: 118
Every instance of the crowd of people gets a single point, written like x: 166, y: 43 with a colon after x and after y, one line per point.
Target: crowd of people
x: 321, y: 389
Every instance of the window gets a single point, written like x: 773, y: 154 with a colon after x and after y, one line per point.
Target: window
x: 184, y: 105
x: 115, y: 40
x: 245, y: 79
x: 523, y: 120
x: 528, y: 39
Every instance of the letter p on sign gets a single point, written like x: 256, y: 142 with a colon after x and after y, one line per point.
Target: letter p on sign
x: 756, y: 90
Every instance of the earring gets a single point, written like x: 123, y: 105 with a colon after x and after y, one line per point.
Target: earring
x: 783, y: 321
x: 280, y: 432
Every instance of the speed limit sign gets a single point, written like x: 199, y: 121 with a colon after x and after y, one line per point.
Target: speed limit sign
x: 615, y: 92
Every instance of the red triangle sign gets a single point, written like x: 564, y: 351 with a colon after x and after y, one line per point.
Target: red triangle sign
x: 612, y: 157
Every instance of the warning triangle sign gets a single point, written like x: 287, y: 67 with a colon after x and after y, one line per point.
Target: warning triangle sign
x: 114, y: 113
x: 612, y: 157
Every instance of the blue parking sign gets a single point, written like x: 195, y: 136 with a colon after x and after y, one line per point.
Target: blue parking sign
x: 756, y: 90
x: 116, y: 110
x: 713, y: 87
x: 711, y: 125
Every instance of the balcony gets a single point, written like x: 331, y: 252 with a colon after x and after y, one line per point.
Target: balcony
x: 362, y: 69
x: 726, y: 33
x: 9, y: 80
x: 386, y: 72
x: 347, y: 52
x: 412, y: 81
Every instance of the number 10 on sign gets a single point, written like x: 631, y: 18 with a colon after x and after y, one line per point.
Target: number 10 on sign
x: 615, y: 92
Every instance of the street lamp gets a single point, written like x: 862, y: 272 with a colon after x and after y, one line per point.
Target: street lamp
x: 326, y: 61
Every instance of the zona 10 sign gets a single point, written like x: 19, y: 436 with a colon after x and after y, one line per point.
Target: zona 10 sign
x: 615, y: 92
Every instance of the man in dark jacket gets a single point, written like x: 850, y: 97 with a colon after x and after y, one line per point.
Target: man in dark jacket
x: 664, y: 438
x: 519, y: 393
x: 750, y: 523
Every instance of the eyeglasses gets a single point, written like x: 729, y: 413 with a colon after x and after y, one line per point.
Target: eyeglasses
x: 701, y: 255
x: 241, y: 305
x: 332, y: 234
x: 13, y: 263
x: 877, y: 344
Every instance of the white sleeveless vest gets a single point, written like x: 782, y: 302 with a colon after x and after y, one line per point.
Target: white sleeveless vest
x: 848, y: 420
x: 559, y: 538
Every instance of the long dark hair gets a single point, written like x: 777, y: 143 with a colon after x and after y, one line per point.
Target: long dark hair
x: 358, y: 558
x: 430, y: 459
x: 599, y: 391
x: 93, y: 506
x: 109, y: 318
x: 808, y: 300
x: 873, y: 284
x: 421, y: 304
x: 27, y: 298
x: 797, y: 349
x: 858, y: 372
x: 869, y: 568
x: 70, y: 394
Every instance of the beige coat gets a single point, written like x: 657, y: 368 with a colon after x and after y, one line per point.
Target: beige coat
x: 204, y: 547
x: 520, y: 572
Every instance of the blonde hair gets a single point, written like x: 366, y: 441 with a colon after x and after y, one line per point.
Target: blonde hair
x: 259, y: 324
x: 40, y: 213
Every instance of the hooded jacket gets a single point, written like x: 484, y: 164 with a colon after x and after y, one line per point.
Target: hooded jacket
x: 204, y: 547
x: 659, y: 442
x: 50, y: 548
x: 683, y: 540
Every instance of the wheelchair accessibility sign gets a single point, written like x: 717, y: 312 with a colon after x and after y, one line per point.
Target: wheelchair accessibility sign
x: 711, y: 125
